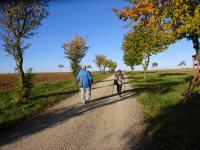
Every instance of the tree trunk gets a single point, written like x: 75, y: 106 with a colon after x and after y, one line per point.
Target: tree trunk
x: 145, y: 66
x: 195, y: 82
x: 19, y: 60
x: 145, y: 70
x: 21, y: 91
x: 187, y: 94
x: 196, y: 45
x: 132, y: 68
x: 21, y: 74
x: 104, y: 70
x: 145, y: 73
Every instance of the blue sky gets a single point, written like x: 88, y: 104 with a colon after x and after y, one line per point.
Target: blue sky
x: 94, y: 20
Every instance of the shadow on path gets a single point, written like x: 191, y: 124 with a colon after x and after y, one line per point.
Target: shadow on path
x: 106, y: 80
x: 102, y: 86
x: 47, y: 120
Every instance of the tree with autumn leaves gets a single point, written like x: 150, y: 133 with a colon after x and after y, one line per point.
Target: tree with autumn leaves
x: 103, y: 62
x: 111, y: 65
x: 98, y: 61
x: 75, y: 50
x: 178, y: 17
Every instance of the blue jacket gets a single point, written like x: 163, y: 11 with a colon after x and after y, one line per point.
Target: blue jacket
x: 85, y: 77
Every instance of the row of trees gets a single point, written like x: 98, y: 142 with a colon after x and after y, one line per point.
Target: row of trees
x: 76, y: 49
x: 155, y: 65
x: 103, y: 62
x: 18, y: 22
x: 172, y: 20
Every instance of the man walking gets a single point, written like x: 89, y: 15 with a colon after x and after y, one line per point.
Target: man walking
x: 85, y: 80
x: 119, y: 77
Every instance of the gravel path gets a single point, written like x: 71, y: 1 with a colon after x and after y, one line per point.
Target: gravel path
x: 109, y: 122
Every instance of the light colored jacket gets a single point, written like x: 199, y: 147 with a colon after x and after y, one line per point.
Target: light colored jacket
x: 119, y: 77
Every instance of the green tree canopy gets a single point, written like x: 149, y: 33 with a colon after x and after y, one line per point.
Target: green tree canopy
x: 140, y: 44
x: 89, y: 66
x: 154, y: 65
x: 61, y: 66
x: 99, y: 61
x: 111, y: 65
x: 182, y: 63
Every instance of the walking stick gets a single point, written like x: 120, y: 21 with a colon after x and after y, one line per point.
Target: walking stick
x: 113, y: 89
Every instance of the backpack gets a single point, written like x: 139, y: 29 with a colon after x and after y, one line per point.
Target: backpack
x: 116, y: 80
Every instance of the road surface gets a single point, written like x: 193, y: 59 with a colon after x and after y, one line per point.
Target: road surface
x: 108, y: 122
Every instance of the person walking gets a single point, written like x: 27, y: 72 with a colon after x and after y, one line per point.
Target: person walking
x: 119, y: 78
x: 85, y: 80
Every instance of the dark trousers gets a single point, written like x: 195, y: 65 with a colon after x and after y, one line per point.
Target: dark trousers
x: 119, y: 89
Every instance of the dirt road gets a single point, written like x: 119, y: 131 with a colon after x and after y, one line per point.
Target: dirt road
x: 107, y: 122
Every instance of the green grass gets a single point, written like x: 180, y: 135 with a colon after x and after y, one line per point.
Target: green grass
x: 173, y: 125
x: 42, y: 96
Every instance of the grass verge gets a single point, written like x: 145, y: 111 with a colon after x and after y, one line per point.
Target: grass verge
x: 42, y: 96
x: 173, y: 125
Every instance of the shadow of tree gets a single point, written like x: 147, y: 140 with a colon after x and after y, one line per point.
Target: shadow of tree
x: 55, y: 94
x: 161, y: 87
x: 105, y: 80
x: 98, y: 87
x: 177, y: 127
x: 47, y: 120
x: 171, y: 74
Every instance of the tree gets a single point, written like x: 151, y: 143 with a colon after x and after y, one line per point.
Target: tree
x: 18, y: 22
x: 182, y: 63
x: 132, y: 68
x: 30, y: 70
x: 75, y: 50
x: 180, y: 17
x: 102, y: 63
x: 140, y: 44
x: 111, y: 65
x: 114, y: 66
x: 99, y: 61
x: 105, y: 63
x: 129, y: 58
x: 89, y: 66
x: 154, y: 65
x: 61, y: 66
x: 16, y: 70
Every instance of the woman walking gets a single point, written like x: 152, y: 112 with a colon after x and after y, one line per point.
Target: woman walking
x: 119, y: 78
